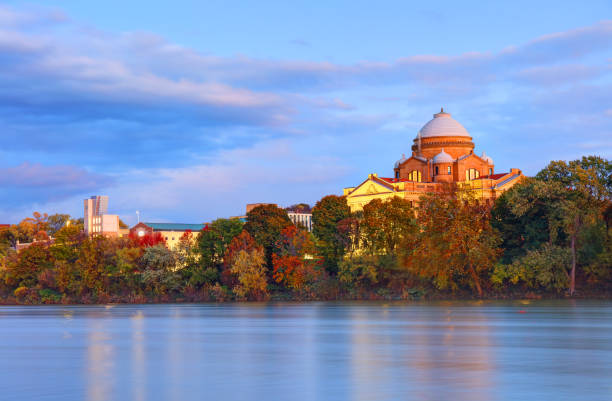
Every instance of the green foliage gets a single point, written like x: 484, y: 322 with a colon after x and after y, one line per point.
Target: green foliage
x: 359, y: 271
x: 212, y: 241
x: 158, y: 257
x: 326, y: 215
x: 55, y: 222
x: 544, y: 268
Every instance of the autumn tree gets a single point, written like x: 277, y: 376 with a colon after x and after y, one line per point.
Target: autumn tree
x: 294, y: 264
x: 250, y: 269
x: 265, y: 223
x: 387, y: 224
x: 242, y: 242
x: 457, y: 245
x: 326, y: 215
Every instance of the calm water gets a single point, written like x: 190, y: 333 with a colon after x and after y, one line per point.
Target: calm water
x: 318, y: 351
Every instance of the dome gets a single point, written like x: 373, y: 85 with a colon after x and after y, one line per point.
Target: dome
x: 443, y: 157
x: 486, y: 158
x: 443, y: 125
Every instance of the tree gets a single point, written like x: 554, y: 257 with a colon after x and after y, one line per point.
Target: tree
x: 249, y: 267
x: 588, y: 186
x: 294, y: 265
x: 242, y: 242
x: 527, y: 216
x: 147, y: 240
x: 159, y: 275
x: 457, y: 245
x: 326, y: 215
x: 546, y: 267
x: 387, y: 224
x: 265, y: 223
x: 28, y: 264
x: 213, y: 240
x: 55, y: 222
x: 299, y: 208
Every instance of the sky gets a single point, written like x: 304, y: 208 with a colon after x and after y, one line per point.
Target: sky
x: 188, y: 110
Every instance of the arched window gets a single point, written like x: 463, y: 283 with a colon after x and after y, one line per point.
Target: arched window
x: 490, y: 171
x: 397, y: 175
x: 448, y: 170
x: 437, y: 171
x: 471, y: 174
x: 414, y: 176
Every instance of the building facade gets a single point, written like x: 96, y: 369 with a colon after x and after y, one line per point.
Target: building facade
x: 442, y: 153
x: 301, y: 219
x: 171, y: 232
x: 96, y: 219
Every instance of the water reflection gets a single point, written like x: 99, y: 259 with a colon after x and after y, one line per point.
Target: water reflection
x: 459, y: 351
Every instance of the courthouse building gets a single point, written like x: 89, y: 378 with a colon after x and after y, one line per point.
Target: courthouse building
x: 442, y: 153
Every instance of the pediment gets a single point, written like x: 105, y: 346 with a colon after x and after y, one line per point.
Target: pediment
x: 371, y: 187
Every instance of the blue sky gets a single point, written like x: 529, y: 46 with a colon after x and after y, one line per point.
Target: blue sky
x: 186, y: 111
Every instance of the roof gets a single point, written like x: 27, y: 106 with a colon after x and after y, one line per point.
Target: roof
x: 175, y: 226
x: 443, y: 157
x: 443, y: 125
x: 492, y: 176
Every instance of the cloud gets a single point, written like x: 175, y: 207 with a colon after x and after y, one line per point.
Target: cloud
x: 182, y: 133
x: 28, y: 182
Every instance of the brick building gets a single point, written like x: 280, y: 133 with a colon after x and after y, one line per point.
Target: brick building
x: 442, y: 152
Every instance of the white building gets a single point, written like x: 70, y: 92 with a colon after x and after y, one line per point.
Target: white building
x: 96, y: 219
x: 301, y: 219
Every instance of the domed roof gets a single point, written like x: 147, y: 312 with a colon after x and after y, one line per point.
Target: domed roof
x: 486, y: 158
x: 443, y: 125
x: 443, y: 157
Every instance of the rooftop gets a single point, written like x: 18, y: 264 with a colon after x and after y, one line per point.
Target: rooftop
x: 175, y: 226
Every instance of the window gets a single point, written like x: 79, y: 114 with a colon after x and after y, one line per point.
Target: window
x: 397, y: 175
x: 471, y: 174
x: 490, y: 171
x: 448, y: 170
x: 414, y: 176
x: 437, y: 172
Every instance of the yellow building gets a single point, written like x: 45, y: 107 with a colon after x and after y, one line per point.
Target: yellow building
x: 442, y: 153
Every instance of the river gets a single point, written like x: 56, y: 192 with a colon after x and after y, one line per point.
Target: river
x: 542, y: 350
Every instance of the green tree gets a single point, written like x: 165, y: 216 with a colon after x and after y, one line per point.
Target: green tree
x: 159, y: 276
x: 326, y: 215
x: 55, y: 222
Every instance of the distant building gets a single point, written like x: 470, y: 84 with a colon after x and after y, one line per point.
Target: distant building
x: 251, y: 206
x: 442, y: 153
x: 172, y: 232
x: 96, y: 219
x: 301, y: 219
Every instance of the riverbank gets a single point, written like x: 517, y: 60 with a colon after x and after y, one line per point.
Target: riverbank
x: 218, y: 295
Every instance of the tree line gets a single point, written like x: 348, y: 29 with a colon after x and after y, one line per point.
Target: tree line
x: 547, y: 236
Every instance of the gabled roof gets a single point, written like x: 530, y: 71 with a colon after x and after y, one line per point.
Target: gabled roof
x: 175, y: 226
